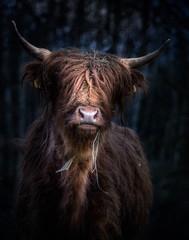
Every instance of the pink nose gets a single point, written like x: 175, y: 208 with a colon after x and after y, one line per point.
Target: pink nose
x: 88, y: 116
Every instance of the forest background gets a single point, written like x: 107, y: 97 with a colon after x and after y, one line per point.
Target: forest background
x: 128, y: 29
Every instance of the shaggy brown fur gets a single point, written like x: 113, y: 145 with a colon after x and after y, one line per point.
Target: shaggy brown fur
x: 70, y: 205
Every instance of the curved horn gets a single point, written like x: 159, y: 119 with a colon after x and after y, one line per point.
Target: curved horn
x: 138, y: 62
x: 38, y: 53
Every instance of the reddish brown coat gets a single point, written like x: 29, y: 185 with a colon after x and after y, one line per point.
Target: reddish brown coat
x: 70, y: 204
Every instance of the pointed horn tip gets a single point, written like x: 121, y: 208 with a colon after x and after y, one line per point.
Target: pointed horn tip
x: 164, y: 45
x: 167, y: 41
x: 15, y: 27
x: 13, y: 22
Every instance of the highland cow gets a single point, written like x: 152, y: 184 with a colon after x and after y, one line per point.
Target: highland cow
x: 83, y: 177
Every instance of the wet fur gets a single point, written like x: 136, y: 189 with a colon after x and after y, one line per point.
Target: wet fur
x: 69, y: 205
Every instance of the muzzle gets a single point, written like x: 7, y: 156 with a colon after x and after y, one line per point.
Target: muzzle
x: 88, y: 116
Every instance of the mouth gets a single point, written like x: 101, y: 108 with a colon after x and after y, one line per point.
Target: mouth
x: 88, y: 126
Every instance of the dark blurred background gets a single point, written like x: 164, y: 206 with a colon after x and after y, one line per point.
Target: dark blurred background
x: 126, y: 28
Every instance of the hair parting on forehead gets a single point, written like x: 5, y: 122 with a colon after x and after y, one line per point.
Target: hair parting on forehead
x: 69, y: 71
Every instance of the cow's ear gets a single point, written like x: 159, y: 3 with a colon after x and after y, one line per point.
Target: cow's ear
x: 133, y: 90
x: 37, y: 84
x: 138, y: 81
x: 33, y: 74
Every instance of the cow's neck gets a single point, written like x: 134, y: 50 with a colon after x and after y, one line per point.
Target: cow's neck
x: 75, y: 180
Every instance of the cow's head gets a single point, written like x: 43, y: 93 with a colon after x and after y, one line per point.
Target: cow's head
x: 84, y: 87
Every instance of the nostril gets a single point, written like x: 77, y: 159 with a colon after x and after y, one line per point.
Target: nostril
x: 80, y: 113
x: 95, y: 114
